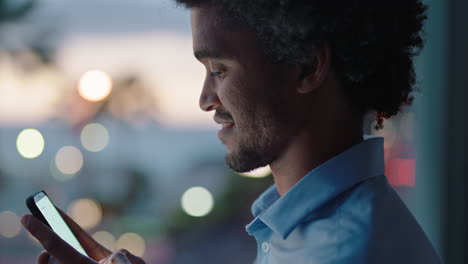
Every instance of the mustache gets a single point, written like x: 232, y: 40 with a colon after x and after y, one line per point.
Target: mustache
x: 224, y: 115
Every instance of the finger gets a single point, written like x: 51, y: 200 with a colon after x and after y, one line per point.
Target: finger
x: 52, y: 260
x: 52, y: 242
x: 133, y: 259
x: 43, y: 258
x: 95, y: 250
x: 117, y: 258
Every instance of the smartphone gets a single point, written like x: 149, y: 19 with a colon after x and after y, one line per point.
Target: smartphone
x: 42, y: 207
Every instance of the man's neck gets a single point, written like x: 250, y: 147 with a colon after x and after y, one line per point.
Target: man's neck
x: 307, y: 151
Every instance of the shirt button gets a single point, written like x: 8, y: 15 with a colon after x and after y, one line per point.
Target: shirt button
x: 265, y: 247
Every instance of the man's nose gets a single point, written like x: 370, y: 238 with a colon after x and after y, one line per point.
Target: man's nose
x: 209, y: 99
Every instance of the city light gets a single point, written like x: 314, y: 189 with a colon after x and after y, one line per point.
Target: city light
x: 9, y: 224
x: 197, y: 201
x: 95, y: 85
x: 57, y: 174
x: 94, y: 137
x: 132, y: 242
x: 86, y: 212
x: 106, y: 239
x: 261, y: 172
x: 30, y: 143
x: 401, y: 172
x: 69, y: 160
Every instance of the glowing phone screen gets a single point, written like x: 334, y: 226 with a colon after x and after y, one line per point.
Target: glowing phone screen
x: 58, y: 224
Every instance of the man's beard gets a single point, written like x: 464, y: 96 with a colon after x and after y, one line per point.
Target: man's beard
x: 256, y: 150
x: 263, y: 140
x: 245, y: 160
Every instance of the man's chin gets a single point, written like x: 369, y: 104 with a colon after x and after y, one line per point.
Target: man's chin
x: 244, y: 161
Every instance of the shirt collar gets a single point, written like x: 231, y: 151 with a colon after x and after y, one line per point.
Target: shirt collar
x: 282, y: 214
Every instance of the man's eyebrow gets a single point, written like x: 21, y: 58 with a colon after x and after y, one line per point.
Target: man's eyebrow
x: 201, y: 54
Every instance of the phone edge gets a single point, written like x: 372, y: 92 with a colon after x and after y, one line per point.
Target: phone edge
x: 31, y: 204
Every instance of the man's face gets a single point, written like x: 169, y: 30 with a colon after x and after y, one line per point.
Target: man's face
x: 253, y: 98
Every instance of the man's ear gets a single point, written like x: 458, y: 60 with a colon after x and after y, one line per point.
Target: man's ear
x: 313, y: 75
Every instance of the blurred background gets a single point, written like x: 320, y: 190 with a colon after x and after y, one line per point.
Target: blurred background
x: 99, y: 108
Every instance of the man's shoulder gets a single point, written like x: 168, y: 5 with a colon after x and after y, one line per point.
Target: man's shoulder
x: 367, y: 223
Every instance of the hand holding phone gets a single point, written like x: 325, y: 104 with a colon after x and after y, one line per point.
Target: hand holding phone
x: 53, y: 243
x: 42, y: 207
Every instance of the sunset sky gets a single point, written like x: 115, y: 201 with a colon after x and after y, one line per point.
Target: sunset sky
x: 151, y: 38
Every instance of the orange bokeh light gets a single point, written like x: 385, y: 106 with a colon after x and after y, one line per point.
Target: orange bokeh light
x: 95, y: 85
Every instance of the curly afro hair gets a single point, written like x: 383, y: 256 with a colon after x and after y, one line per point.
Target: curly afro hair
x: 373, y: 42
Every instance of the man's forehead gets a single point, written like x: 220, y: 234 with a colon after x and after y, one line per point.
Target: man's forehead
x: 210, y: 38
x: 205, y: 16
x: 214, y: 46
x: 201, y: 53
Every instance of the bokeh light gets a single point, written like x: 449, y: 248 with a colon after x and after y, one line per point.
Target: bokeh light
x: 261, y: 172
x: 133, y: 243
x: 69, y: 160
x: 95, y: 85
x: 94, y: 137
x: 57, y: 174
x: 30, y: 143
x: 401, y: 172
x: 106, y: 239
x: 9, y: 224
x: 86, y: 212
x: 197, y: 201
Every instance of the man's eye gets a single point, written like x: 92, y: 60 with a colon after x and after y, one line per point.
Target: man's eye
x: 217, y: 74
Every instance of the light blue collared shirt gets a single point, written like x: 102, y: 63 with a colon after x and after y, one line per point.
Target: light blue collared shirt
x: 343, y: 211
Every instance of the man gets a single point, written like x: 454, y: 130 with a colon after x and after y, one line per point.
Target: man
x: 289, y: 82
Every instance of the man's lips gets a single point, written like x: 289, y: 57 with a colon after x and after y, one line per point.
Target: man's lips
x: 225, y: 130
x: 223, y: 122
x: 226, y: 126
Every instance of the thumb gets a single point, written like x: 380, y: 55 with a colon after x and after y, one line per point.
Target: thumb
x: 116, y: 258
x: 52, y: 243
x: 132, y: 258
x: 95, y: 250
